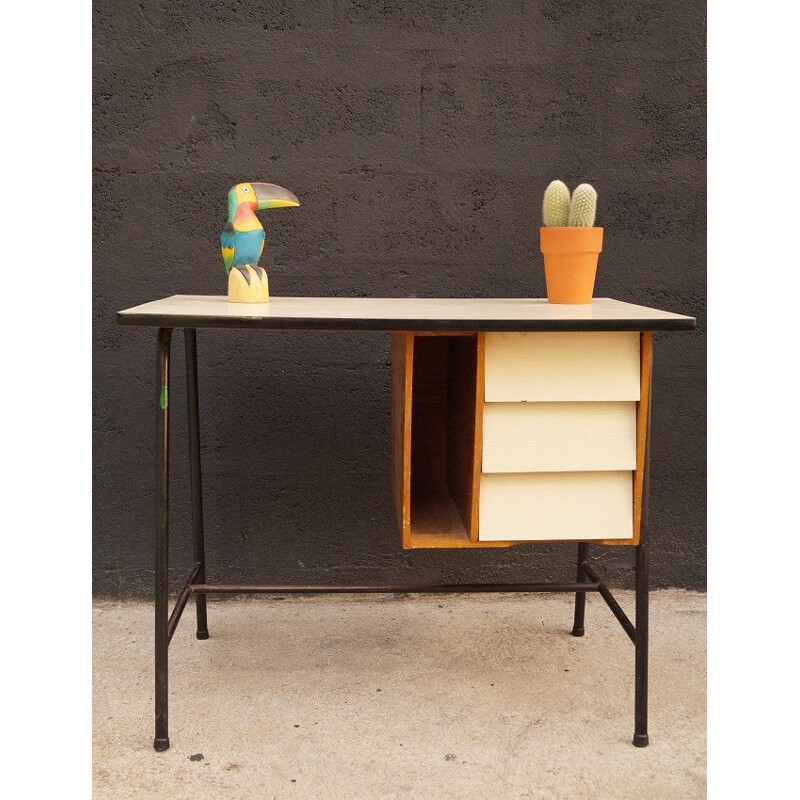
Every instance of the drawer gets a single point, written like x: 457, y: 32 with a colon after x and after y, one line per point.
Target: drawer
x: 559, y: 437
x: 556, y: 506
x: 602, y: 365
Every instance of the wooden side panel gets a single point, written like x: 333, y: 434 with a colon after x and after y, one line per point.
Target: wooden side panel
x: 556, y: 506
x: 401, y: 372
x: 550, y: 367
x: 477, y: 461
x: 642, y: 433
x: 559, y: 437
x: 642, y: 411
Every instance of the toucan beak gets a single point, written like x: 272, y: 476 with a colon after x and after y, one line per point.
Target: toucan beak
x: 270, y: 195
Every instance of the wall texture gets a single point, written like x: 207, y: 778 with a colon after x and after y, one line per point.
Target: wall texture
x: 419, y: 137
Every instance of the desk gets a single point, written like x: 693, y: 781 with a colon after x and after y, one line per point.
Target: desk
x: 513, y: 420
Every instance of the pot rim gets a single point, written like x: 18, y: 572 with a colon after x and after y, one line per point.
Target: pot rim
x: 571, y: 240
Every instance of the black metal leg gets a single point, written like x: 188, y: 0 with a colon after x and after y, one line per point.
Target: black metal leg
x: 640, y: 738
x: 580, y: 597
x: 198, y: 539
x: 161, y: 741
x: 641, y: 640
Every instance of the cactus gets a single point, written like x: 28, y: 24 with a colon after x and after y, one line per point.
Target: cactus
x: 555, y: 208
x: 559, y: 210
x: 582, y: 207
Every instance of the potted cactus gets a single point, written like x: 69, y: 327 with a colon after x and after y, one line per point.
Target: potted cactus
x: 570, y: 242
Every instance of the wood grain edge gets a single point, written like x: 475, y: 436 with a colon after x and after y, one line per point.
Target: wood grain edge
x: 430, y: 541
x: 480, y: 389
x: 641, y: 433
x: 646, y: 362
x: 408, y: 360
x: 402, y: 353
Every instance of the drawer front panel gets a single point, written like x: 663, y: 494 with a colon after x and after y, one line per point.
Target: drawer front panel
x: 556, y: 506
x: 559, y: 437
x: 602, y: 365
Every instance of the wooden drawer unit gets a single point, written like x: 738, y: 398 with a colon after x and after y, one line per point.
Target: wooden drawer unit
x: 503, y: 438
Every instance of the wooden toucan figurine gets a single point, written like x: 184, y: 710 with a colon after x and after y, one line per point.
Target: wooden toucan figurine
x: 242, y: 239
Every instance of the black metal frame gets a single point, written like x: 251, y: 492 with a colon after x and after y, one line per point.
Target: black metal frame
x: 166, y: 623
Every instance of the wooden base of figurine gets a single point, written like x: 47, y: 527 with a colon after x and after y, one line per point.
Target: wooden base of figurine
x: 242, y: 290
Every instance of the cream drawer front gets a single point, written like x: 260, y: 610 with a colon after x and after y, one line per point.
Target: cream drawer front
x: 562, y: 366
x: 559, y: 437
x: 560, y: 505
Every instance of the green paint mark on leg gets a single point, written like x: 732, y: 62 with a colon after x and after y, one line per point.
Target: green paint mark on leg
x: 162, y: 400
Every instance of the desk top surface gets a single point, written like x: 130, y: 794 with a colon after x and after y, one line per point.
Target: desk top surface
x: 401, y: 314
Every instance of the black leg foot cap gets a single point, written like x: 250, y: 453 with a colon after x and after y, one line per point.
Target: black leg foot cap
x: 202, y: 634
x: 161, y: 744
x: 640, y: 740
x: 577, y: 631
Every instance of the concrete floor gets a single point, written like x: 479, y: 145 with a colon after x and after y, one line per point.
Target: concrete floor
x: 422, y: 696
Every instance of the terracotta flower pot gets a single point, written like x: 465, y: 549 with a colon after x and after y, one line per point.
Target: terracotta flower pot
x: 570, y: 263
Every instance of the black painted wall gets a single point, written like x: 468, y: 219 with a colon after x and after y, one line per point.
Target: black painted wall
x: 419, y: 137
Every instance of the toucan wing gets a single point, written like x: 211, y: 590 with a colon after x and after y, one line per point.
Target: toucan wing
x: 227, y: 241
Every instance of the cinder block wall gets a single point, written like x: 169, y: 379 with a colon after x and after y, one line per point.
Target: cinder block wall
x: 419, y: 137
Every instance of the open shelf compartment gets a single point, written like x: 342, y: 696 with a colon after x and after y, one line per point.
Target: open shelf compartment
x: 435, y: 438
